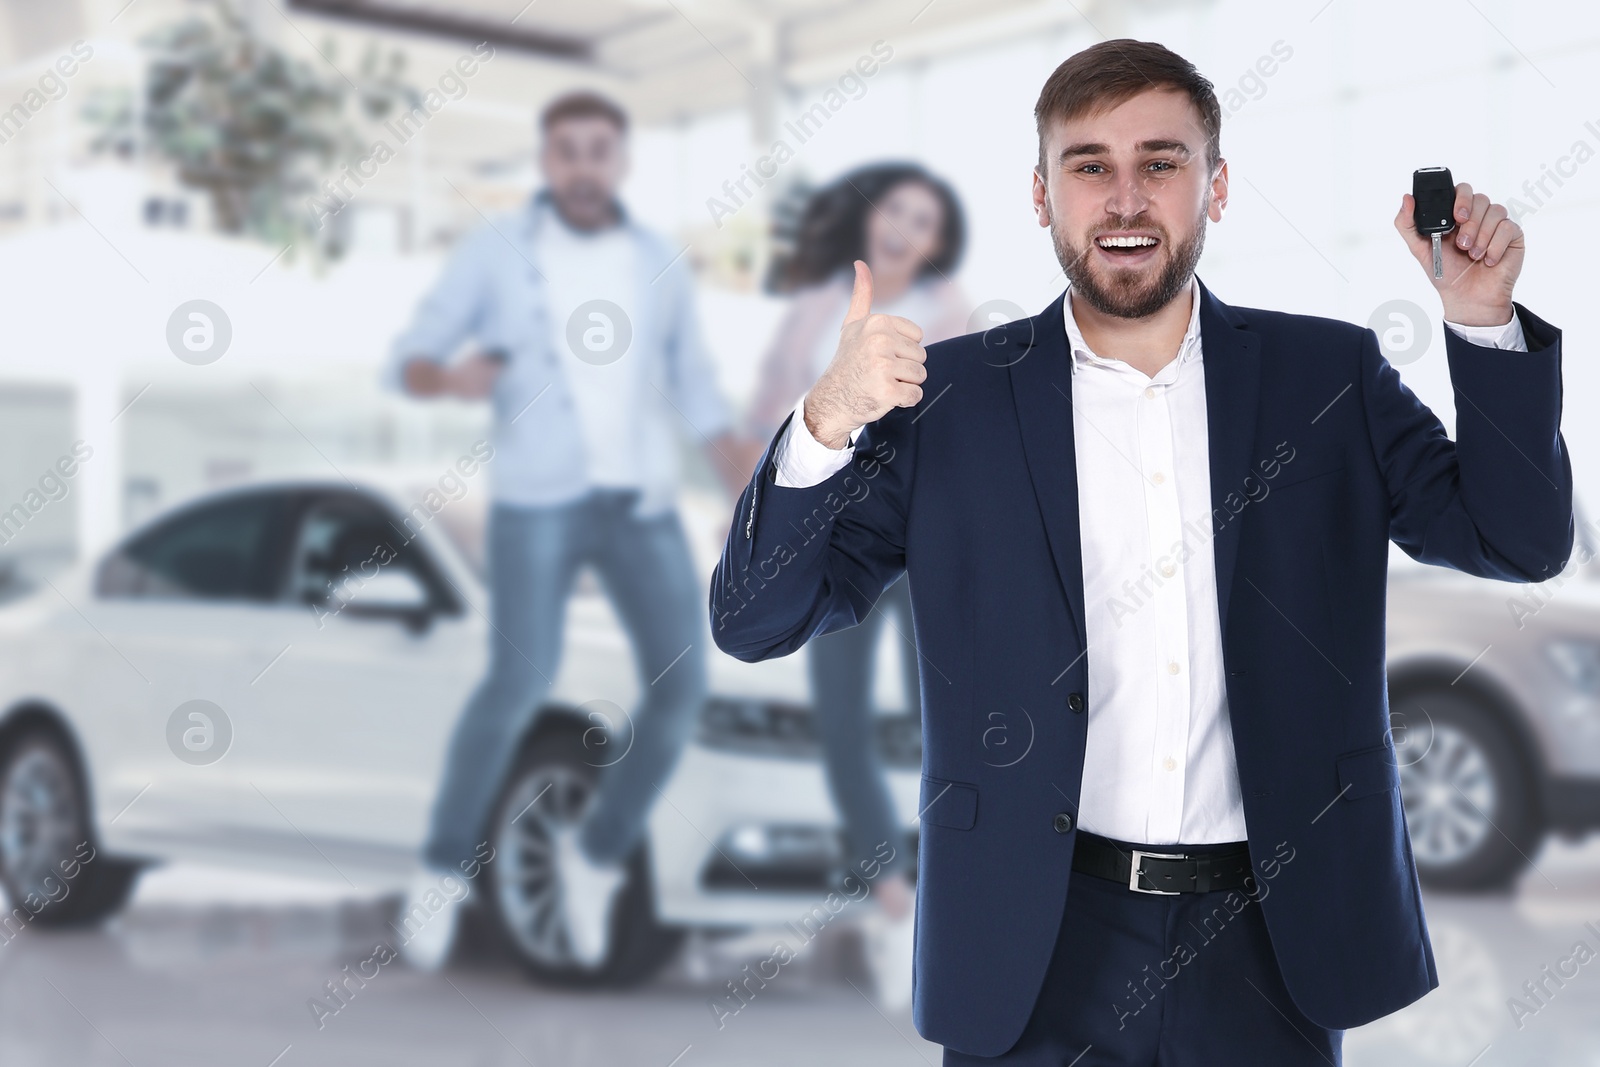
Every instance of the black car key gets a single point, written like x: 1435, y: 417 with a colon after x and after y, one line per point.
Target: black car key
x: 1433, y: 213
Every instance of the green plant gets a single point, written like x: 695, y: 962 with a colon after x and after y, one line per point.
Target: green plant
x: 252, y: 126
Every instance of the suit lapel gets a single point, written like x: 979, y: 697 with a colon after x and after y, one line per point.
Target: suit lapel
x: 1232, y: 359
x: 1041, y: 386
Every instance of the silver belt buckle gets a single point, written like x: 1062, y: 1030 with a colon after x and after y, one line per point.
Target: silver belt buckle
x: 1135, y: 872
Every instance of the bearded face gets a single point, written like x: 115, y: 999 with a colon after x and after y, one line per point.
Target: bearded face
x: 1130, y: 267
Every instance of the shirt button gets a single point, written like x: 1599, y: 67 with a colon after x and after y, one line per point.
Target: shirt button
x: 1158, y: 477
x: 1062, y: 823
x: 1149, y: 393
x: 1172, y: 668
x: 1170, y: 764
x: 1167, y: 570
x: 1074, y: 701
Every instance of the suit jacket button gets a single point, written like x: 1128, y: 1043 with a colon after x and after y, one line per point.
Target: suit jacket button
x: 1062, y: 823
x: 1075, y: 702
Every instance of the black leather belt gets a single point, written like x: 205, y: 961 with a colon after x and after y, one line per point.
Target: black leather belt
x: 1165, y: 871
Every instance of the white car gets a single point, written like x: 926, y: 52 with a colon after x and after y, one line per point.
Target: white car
x: 217, y: 688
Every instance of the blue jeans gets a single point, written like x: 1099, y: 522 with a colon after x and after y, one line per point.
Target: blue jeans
x: 646, y: 571
x: 841, y: 671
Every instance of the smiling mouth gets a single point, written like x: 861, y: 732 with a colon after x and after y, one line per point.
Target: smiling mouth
x: 1126, y: 245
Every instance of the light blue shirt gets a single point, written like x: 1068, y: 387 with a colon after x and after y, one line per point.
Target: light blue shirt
x: 493, y: 292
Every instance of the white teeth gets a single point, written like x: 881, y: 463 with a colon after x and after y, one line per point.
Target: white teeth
x: 1126, y: 242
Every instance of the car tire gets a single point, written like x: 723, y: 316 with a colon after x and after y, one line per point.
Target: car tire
x: 45, y: 833
x: 548, y: 788
x: 1470, y: 794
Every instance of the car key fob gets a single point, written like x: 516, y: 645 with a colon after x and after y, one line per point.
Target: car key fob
x: 1433, y: 213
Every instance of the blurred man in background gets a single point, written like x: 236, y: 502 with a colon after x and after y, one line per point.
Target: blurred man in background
x: 583, y: 336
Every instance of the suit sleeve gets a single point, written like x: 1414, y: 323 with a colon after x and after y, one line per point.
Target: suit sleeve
x: 1497, y: 501
x: 801, y: 460
x: 800, y: 562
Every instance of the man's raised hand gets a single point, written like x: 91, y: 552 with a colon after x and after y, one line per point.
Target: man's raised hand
x: 879, y: 365
x: 1482, y: 257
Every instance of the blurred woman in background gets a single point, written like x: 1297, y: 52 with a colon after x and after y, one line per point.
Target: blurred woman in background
x: 908, y: 226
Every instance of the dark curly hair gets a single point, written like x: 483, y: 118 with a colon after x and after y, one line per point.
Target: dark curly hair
x: 831, y: 231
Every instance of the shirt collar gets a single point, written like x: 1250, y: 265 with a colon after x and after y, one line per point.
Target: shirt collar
x: 1188, y: 349
x: 541, y: 205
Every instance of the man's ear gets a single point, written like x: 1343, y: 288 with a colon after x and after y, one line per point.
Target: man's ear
x: 1219, y: 192
x: 1041, y: 198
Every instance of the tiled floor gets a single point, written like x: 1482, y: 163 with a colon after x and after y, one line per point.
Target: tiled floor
x: 212, y: 968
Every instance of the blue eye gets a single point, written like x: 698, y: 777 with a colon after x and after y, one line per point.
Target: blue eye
x: 1167, y: 167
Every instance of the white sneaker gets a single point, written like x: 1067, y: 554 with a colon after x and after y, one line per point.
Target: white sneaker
x: 890, y: 949
x: 428, y: 922
x: 587, y: 892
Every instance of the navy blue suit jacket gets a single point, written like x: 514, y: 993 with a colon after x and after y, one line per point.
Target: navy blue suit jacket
x: 1319, y: 456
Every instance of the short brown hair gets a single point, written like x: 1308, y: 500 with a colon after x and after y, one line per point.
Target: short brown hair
x: 583, y: 104
x: 1106, y: 74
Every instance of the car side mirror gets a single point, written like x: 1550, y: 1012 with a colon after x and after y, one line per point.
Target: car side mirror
x: 392, y: 594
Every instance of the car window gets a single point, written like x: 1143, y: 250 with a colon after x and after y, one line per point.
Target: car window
x: 345, y: 539
x: 229, y: 549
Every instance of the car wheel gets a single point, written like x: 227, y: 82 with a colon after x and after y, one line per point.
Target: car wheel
x: 1470, y: 798
x: 47, y: 859
x: 549, y: 790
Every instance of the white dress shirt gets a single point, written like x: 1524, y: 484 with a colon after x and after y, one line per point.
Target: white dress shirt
x: 1159, y: 762
x: 604, y: 389
x: 1158, y: 765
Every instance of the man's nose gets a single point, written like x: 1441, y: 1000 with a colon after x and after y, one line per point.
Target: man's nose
x: 1129, y: 197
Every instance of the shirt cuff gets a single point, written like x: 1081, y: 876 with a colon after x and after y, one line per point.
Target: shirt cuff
x: 802, y: 461
x: 1508, y: 336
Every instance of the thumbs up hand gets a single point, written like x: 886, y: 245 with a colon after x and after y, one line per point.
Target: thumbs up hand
x: 879, y: 365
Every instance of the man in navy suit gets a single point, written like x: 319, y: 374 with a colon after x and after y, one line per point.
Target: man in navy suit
x: 1146, y: 535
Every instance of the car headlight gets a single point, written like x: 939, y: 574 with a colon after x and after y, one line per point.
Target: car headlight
x: 1578, y: 662
x: 759, y: 727
x: 789, y: 731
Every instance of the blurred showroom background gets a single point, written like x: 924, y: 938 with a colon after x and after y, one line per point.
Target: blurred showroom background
x: 311, y: 253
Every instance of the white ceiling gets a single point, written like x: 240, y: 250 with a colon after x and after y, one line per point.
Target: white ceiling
x: 668, y: 59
